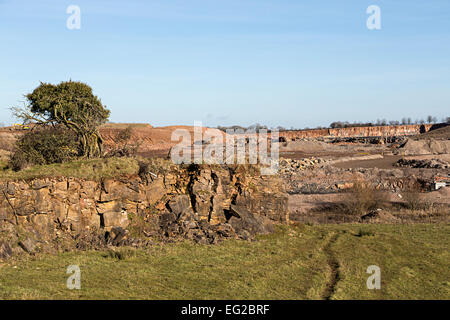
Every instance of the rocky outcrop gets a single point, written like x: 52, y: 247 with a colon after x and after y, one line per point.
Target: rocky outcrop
x: 203, y: 203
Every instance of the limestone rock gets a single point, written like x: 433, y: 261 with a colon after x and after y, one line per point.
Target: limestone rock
x: 5, y: 250
x: 29, y: 245
x: 115, y: 219
x: 179, y: 204
x: 243, y: 220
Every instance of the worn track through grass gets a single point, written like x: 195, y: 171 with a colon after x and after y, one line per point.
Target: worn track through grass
x: 333, y: 264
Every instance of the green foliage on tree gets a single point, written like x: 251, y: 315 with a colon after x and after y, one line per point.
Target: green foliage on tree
x: 71, y: 105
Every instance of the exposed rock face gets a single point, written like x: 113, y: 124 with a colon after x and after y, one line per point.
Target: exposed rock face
x: 375, y: 131
x: 194, y: 202
x: 29, y: 245
x: 243, y: 220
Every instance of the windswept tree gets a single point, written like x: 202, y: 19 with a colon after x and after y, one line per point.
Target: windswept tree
x: 69, y: 104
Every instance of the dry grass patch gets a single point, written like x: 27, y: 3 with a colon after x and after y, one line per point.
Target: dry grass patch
x: 91, y: 169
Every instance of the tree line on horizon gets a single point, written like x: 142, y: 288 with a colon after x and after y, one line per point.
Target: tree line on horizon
x: 340, y: 124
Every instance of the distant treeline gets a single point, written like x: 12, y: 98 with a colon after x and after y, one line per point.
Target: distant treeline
x: 340, y: 124
x: 384, y: 122
x: 256, y: 127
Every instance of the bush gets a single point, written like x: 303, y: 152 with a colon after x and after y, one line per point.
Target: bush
x: 362, y: 198
x: 124, y: 146
x: 45, y: 146
x: 415, y: 199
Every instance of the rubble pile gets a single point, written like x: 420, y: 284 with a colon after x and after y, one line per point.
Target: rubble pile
x: 293, y: 165
x: 428, y: 163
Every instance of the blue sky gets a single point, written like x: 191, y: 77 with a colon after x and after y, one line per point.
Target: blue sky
x: 281, y: 62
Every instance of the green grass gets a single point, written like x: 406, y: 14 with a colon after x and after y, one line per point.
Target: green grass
x: 292, y: 263
x: 414, y: 262
x: 93, y: 169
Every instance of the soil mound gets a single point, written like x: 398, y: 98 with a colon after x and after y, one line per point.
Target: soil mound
x: 379, y: 216
x: 149, y: 138
x: 428, y: 146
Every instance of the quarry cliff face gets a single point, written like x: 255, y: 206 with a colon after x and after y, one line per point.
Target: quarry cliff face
x: 376, y: 131
x: 186, y: 201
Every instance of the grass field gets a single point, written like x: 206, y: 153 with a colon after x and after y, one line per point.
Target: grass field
x: 303, y: 262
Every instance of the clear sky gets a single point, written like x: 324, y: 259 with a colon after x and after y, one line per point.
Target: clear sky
x: 299, y: 63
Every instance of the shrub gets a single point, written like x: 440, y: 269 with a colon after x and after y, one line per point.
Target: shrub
x: 415, y: 199
x: 124, y: 146
x: 44, y: 146
x: 362, y: 198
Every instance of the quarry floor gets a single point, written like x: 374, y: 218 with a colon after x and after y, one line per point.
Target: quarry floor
x: 324, y: 209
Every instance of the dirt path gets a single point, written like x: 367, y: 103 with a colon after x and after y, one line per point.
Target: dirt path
x: 333, y: 264
x: 386, y: 162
